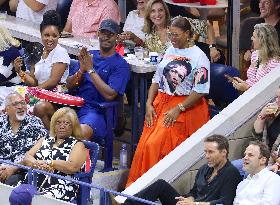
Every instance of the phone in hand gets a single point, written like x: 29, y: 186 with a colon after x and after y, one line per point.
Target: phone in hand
x: 230, y: 78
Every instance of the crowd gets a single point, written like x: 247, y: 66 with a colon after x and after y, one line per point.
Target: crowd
x: 47, y: 136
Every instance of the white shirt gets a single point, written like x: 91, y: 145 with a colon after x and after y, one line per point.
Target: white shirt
x: 259, y: 189
x: 187, y: 68
x: 25, y: 12
x: 135, y: 24
x: 43, y: 68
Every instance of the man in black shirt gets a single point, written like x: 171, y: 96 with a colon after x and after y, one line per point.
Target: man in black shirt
x: 215, y: 182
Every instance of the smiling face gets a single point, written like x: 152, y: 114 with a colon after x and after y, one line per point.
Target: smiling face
x: 141, y: 4
x: 213, y: 155
x: 16, y: 108
x: 158, y: 14
x: 267, y: 8
x: 178, y: 37
x: 107, y: 40
x: 253, y: 161
x: 50, y: 36
x: 63, y: 127
x: 255, y: 41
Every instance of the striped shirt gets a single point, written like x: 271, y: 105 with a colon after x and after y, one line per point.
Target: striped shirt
x: 256, y: 71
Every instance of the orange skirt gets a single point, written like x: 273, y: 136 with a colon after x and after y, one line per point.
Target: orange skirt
x: 157, y: 141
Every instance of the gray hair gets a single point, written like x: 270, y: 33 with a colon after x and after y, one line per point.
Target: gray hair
x: 7, y: 100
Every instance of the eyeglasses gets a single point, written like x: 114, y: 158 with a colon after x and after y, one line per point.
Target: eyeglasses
x: 106, y: 33
x: 173, y: 35
x: 65, y: 123
x: 17, y: 103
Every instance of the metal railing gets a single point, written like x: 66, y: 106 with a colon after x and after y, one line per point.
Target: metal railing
x: 104, y: 193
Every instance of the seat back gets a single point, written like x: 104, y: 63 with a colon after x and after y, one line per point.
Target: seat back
x: 221, y: 91
x: 63, y: 8
x: 84, y: 192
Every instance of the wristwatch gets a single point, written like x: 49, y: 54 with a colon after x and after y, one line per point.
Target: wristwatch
x: 196, y: 203
x: 181, y: 107
x: 91, y: 71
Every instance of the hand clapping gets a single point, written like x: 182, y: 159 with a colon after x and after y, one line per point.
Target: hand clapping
x: 85, y: 60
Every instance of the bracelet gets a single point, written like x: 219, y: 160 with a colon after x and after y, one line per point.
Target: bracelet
x: 52, y: 164
x: 181, y: 107
x: 196, y: 203
x: 22, y: 76
x: 91, y: 71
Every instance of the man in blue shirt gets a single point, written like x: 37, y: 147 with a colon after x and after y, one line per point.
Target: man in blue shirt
x: 101, y: 76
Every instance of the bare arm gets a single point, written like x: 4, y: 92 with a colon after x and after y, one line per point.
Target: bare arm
x: 57, y: 72
x: 76, y: 159
x: 29, y: 159
x: 34, y: 5
x: 150, y: 111
x: 68, y: 26
x: 13, y: 5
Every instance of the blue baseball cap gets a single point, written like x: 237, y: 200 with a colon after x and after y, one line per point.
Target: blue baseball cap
x: 22, y: 194
x: 110, y: 25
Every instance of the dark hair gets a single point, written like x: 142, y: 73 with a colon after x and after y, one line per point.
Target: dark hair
x: 178, y: 62
x: 51, y: 18
x: 264, y: 150
x: 182, y: 23
x: 221, y: 140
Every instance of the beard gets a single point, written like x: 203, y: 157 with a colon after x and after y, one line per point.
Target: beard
x: 21, y: 117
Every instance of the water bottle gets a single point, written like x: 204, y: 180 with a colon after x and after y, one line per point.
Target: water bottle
x: 123, y: 157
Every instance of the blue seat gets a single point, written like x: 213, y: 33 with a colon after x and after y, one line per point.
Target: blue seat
x: 84, y: 192
x: 221, y: 91
x: 110, y: 112
x: 63, y: 8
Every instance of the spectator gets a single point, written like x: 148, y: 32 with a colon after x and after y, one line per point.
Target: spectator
x: 52, y: 69
x: 215, y: 181
x: 8, y: 53
x: 100, y: 78
x: 62, y: 153
x: 134, y: 23
x: 261, y: 185
x: 175, y: 107
x: 22, y: 195
x: 265, y: 57
x: 270, y: 14
x: 85, y: 16
x: 32, y: 10
x: 18, y: 133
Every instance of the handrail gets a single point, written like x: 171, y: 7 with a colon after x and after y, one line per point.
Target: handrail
x: 104, y: 191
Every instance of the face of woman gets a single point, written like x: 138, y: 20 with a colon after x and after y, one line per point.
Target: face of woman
x: 178, y: 37
x: 141, y: 4
x: 63, y: 127
x: 50, y: 37
x: 256, y: 41
x: 177, y: 75
x: 158, y: 14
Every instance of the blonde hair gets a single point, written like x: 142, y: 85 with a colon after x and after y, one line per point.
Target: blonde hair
x: 268, y: 38
x: 6, y: 40
x: 148, y: 24
x: 72, y: 116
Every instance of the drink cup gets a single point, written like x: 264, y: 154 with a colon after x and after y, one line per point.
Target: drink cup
x: 139, y: 53
x: 153, y: 57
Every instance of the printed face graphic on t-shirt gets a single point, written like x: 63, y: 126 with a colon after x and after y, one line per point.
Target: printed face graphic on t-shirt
x: 175, y: 72
x: 201, y: 76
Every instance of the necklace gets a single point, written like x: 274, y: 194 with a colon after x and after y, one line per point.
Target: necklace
x: 59, y: 142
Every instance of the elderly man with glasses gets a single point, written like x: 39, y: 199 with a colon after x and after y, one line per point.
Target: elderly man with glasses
x: 19, y: 131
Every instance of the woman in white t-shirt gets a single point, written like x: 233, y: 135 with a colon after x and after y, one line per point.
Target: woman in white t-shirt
x: 52, y: 70
x: 175, y: 107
